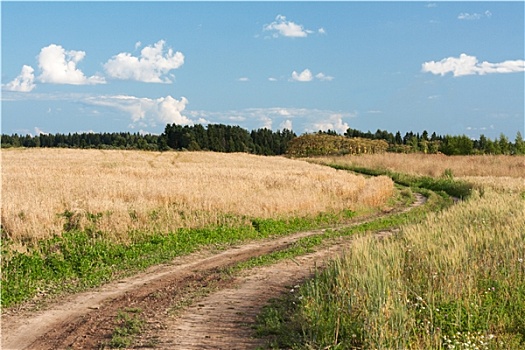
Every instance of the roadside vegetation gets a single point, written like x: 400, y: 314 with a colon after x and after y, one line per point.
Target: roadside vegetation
x: 455, y: 280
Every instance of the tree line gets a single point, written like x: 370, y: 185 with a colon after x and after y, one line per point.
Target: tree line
x: 448, y: 144
x: 214, y: 137
x: 227, y: 138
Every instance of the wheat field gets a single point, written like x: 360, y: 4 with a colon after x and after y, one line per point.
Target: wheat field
x: 435, y: 165
x: 119, y: 191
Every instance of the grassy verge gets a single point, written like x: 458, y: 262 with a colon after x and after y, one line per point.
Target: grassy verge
x: 455, y: 280
x: 77, y: 260
x: 446, y: 183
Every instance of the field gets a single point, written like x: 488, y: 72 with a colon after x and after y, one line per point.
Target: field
x: 445, y: 276
x: 436, y: 165
x: 47, y: 190
x: 454, y: 281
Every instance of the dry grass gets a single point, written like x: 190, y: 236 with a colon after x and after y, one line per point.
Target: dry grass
x: 435, y: 165
x: 119, y: 191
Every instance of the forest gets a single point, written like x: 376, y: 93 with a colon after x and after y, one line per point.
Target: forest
x: 263, y: 141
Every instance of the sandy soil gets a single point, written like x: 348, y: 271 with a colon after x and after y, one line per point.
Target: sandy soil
x: 187, y: 304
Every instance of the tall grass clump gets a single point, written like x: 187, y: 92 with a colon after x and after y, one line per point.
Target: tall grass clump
x: 454, y: 281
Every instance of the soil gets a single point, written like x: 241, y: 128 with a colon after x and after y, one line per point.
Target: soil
x: 190, y: 303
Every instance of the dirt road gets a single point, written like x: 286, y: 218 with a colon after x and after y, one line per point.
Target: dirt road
x: 187, y: 304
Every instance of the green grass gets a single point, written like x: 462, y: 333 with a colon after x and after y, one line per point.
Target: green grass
x: 446, y: 183
x: 78, y: 260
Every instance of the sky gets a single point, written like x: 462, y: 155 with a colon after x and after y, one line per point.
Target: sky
x: 452, y: 68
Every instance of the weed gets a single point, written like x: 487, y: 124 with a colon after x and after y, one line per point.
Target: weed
x: 130, y: 324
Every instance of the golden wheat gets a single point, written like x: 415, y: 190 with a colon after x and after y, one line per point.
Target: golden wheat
x: 43, y: 189
x: 435, y: 165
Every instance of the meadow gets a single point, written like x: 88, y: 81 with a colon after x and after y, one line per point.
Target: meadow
x: 455, y: 280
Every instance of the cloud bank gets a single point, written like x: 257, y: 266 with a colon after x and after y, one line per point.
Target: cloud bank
x: 145, y: 111
x: 151, y: 66
x: 302, y: 119
x: 469, y: 65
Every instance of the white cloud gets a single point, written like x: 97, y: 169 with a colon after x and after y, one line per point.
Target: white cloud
x: 243, y: 79
x: 237, y: 118
x: 151, y: 67
x: 170, y: 110
x: 283, y: 112
x: 323, y: 77
x: 468, y: 65
x: 474, y: 16
x: 304, y: 119
x: 272, y: 79
x: 321, y: 31
x: 59, y: 66
x: 334, y: 122
x: 304, y: 76
x: 145, y: 111
x: 266, y: 122
x: 282, y: 27
x: 24, y: 82
x: 39, y: 131
x: 287, y: 124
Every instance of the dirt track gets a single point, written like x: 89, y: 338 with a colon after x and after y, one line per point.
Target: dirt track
x: 221, y: 319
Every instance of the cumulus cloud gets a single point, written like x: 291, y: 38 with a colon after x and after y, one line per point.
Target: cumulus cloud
x: 282, y: 27
x: 334, y: 122
x: 59, y: 66
x: 170, y: 110
x: 243, y: 79
x: 287, y: 124
x: 469, y: 65
x: 306, y: 76
x: 152, y: 66
x: 146, y: 111
x: 474, y: 16
x: 24, y: 82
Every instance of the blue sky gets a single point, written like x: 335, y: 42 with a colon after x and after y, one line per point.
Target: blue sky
x: 449, y: 67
